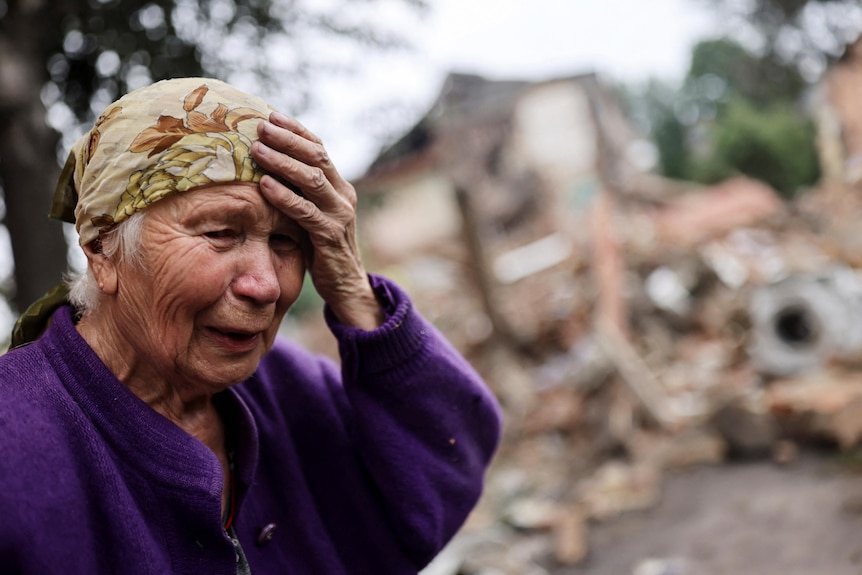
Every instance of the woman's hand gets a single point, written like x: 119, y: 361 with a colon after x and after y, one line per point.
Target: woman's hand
x: 326, y: 208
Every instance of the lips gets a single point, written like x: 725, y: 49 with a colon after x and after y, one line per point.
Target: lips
x: 236, y: 340
x: 238, y: 335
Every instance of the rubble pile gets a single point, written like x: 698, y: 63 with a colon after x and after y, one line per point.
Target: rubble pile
x: 629, y: 325
x: 741, y: 340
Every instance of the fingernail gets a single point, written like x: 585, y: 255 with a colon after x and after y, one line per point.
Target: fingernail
x: 260, y: 148
x: 266, y: 182
x: 279, y: 118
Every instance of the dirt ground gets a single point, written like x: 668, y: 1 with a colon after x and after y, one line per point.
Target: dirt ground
x: 743, y: 518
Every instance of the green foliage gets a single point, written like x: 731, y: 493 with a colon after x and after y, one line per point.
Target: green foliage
x: 801, y: 33
x: 652, y: 108
x: 759, y: 79
x: 95, y: 50
x: 736, y: 113
x: 774, y: 144
x: 670, y: 137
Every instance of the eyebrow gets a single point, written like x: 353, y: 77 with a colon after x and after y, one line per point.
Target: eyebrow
x: 225, y: 211
x: 237, y: 210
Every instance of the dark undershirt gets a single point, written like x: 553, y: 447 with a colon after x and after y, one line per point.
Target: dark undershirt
x: 242, y: 567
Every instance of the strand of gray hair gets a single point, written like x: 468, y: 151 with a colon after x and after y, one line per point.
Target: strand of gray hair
x: 122, y: 245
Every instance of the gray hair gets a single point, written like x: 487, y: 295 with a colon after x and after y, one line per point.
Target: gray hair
x: 121, y: 244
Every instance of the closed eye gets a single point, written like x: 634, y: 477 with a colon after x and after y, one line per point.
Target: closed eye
x: 220, y: 234
x: 284, y: 241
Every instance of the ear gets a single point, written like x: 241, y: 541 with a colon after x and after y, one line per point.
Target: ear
x: 104, y: 270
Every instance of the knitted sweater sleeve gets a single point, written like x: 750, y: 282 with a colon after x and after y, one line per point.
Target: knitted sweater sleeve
x: 426, y: 425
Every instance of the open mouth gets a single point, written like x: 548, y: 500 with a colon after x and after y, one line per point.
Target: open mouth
x: 237, y: 336
x: 236, y: 339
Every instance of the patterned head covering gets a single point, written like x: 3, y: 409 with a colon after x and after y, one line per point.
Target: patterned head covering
x: 168, y: 137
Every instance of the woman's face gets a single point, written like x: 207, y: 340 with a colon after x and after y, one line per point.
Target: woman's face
x: 221, y: 268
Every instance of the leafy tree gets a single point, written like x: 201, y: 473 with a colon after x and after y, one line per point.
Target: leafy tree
x: 773, y: 143
x: 736, y: 112
x: 756, y: 126
x: 73, y: 57
x: 760, y: 80
x: 806, y: 33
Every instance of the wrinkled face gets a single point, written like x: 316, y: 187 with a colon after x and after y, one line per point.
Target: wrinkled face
x: 221, y: 268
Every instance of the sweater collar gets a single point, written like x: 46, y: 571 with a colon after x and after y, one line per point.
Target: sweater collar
x: 139, y: 434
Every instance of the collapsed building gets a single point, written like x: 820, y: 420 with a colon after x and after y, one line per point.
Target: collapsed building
x: 483, y: 208
x: 525, y: 221
x: 629, y: 324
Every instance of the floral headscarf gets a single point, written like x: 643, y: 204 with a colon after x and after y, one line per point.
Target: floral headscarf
x: 168, y: 137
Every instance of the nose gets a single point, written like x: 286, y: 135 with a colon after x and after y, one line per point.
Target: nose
x: 257, y: 279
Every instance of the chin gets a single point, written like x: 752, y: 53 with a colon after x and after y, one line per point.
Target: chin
x: 219, y: 373
x: 234, y: 376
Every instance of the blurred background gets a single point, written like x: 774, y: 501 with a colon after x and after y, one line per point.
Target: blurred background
x: 637, y: 220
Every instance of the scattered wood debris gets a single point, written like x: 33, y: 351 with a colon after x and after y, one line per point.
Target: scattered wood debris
x: 630, y: 326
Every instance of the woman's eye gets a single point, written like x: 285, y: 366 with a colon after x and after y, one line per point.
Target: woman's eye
x: 220, y: 234
x: 283, y: 241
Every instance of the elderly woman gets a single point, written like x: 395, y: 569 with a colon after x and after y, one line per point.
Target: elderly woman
x: 152, y: 420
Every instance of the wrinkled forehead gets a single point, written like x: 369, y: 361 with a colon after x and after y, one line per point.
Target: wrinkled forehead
x: 169, y: 137
x: 235, y: 203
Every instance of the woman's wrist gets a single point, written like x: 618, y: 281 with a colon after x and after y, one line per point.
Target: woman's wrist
x: 360, y: 310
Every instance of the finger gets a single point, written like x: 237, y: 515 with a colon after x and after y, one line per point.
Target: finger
x: 310, y: 180
x: 292, y: 138
x: 294, y: 126
x: 304, y: 212
x: 293, y: 144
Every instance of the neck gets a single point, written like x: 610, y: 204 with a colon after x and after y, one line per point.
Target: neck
x: 179, y: 401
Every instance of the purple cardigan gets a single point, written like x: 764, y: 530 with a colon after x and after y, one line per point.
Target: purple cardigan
x: 369, y: 471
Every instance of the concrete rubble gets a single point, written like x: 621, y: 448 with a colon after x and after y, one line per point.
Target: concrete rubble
x: 654, y: 326
x: 747, y: 349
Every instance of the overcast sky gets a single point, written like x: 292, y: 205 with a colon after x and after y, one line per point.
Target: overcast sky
x: 628, y: 40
